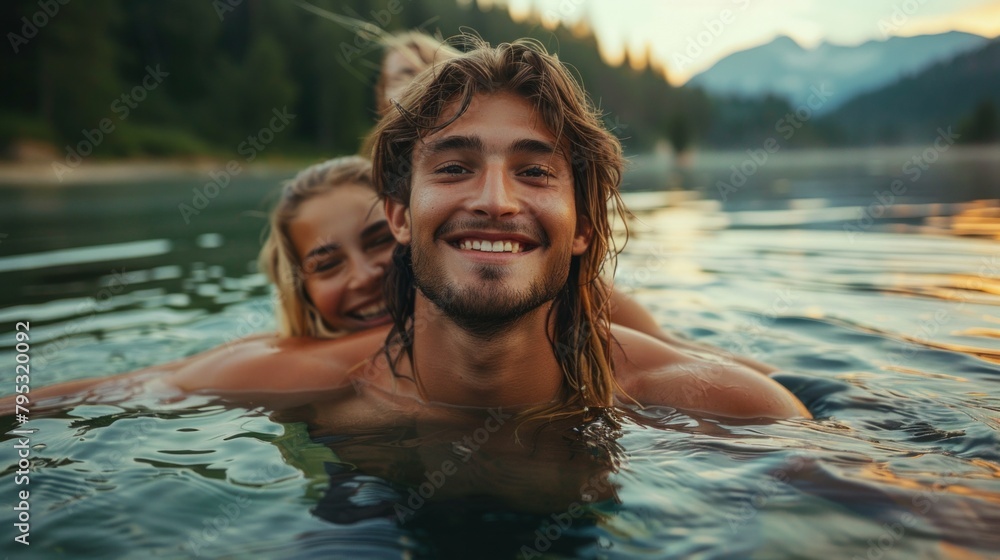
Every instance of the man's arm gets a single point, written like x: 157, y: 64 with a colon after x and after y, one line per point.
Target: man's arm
x: 654, y: 374
x: 627, y: 312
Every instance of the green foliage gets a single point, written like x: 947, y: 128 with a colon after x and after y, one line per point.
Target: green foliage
x: 982, y: 127
x: 679, y: 133
x: 229, y: 69
x: 14, y: 126
x: 245, y: 93
x: 132, y: 139
x: 77, y: 67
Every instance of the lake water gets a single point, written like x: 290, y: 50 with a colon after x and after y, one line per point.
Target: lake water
x: 882, y: 312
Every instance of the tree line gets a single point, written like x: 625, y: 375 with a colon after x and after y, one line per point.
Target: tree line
x: 227, y: 65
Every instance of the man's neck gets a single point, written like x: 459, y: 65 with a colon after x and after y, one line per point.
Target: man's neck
x: 514, y: 368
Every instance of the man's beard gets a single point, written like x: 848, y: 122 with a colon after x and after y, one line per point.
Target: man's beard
x: 491, y: 307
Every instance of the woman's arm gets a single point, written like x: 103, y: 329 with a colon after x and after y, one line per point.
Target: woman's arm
x: 80, y: 391
x: 260, y: 370
x: 627, y: 312
x: 208, y: 368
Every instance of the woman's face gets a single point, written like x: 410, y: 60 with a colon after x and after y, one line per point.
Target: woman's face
x: 344, y: 244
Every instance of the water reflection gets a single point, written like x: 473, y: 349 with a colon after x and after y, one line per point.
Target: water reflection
x: 488, y: 483
x: 889, y: 334
x: 105, y: 253
x: 977, y: 219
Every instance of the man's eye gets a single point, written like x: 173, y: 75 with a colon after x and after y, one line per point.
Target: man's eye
x: 537, y: 172
x: 453, y: 169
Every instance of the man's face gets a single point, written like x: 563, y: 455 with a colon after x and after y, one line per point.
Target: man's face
x: 492, y: 220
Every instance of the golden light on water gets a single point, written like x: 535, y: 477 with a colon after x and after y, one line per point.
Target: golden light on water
x: 980, y: 218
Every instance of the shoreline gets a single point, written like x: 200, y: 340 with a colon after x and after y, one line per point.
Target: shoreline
x: 40, y: 173
x: 43, y: 174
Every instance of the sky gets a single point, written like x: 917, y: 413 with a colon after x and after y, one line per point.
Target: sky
x: 685, y: 37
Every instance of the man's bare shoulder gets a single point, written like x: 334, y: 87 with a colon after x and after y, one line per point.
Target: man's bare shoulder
x: 278, y: 364
x: 653, y: 373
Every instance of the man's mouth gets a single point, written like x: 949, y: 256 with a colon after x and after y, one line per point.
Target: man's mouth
x: 487, y: 246
x: 367, y: 313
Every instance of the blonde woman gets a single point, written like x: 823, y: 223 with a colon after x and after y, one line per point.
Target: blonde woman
x: 327, y: 251
x: 326, y: 254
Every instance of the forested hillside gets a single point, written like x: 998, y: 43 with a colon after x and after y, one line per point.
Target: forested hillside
x: 963, y: 93
x: 225, y: 65
x: 185, y: 78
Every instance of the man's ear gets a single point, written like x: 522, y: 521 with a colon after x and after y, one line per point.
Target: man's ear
x: 398, y: 216
x: 584, y: 234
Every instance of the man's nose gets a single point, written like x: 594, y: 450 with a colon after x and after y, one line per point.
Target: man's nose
x: 496, y: 197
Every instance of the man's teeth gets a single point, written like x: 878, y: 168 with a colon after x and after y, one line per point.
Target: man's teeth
x: 490, y: 246
x: 371, y: 311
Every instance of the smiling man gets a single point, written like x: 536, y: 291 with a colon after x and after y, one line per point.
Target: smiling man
x: 497, y: 174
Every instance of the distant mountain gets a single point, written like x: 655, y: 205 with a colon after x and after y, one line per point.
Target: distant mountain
x: 912, y: 109
x: 785, y: 69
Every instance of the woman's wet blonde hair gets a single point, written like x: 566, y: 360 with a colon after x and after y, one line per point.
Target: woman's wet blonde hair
x: 421, y: 49
x: 297, y: 316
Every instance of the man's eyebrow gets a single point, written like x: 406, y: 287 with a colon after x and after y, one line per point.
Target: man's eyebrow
x: 532, y: 146
x: 450, y: 143
x: 475, y: 143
